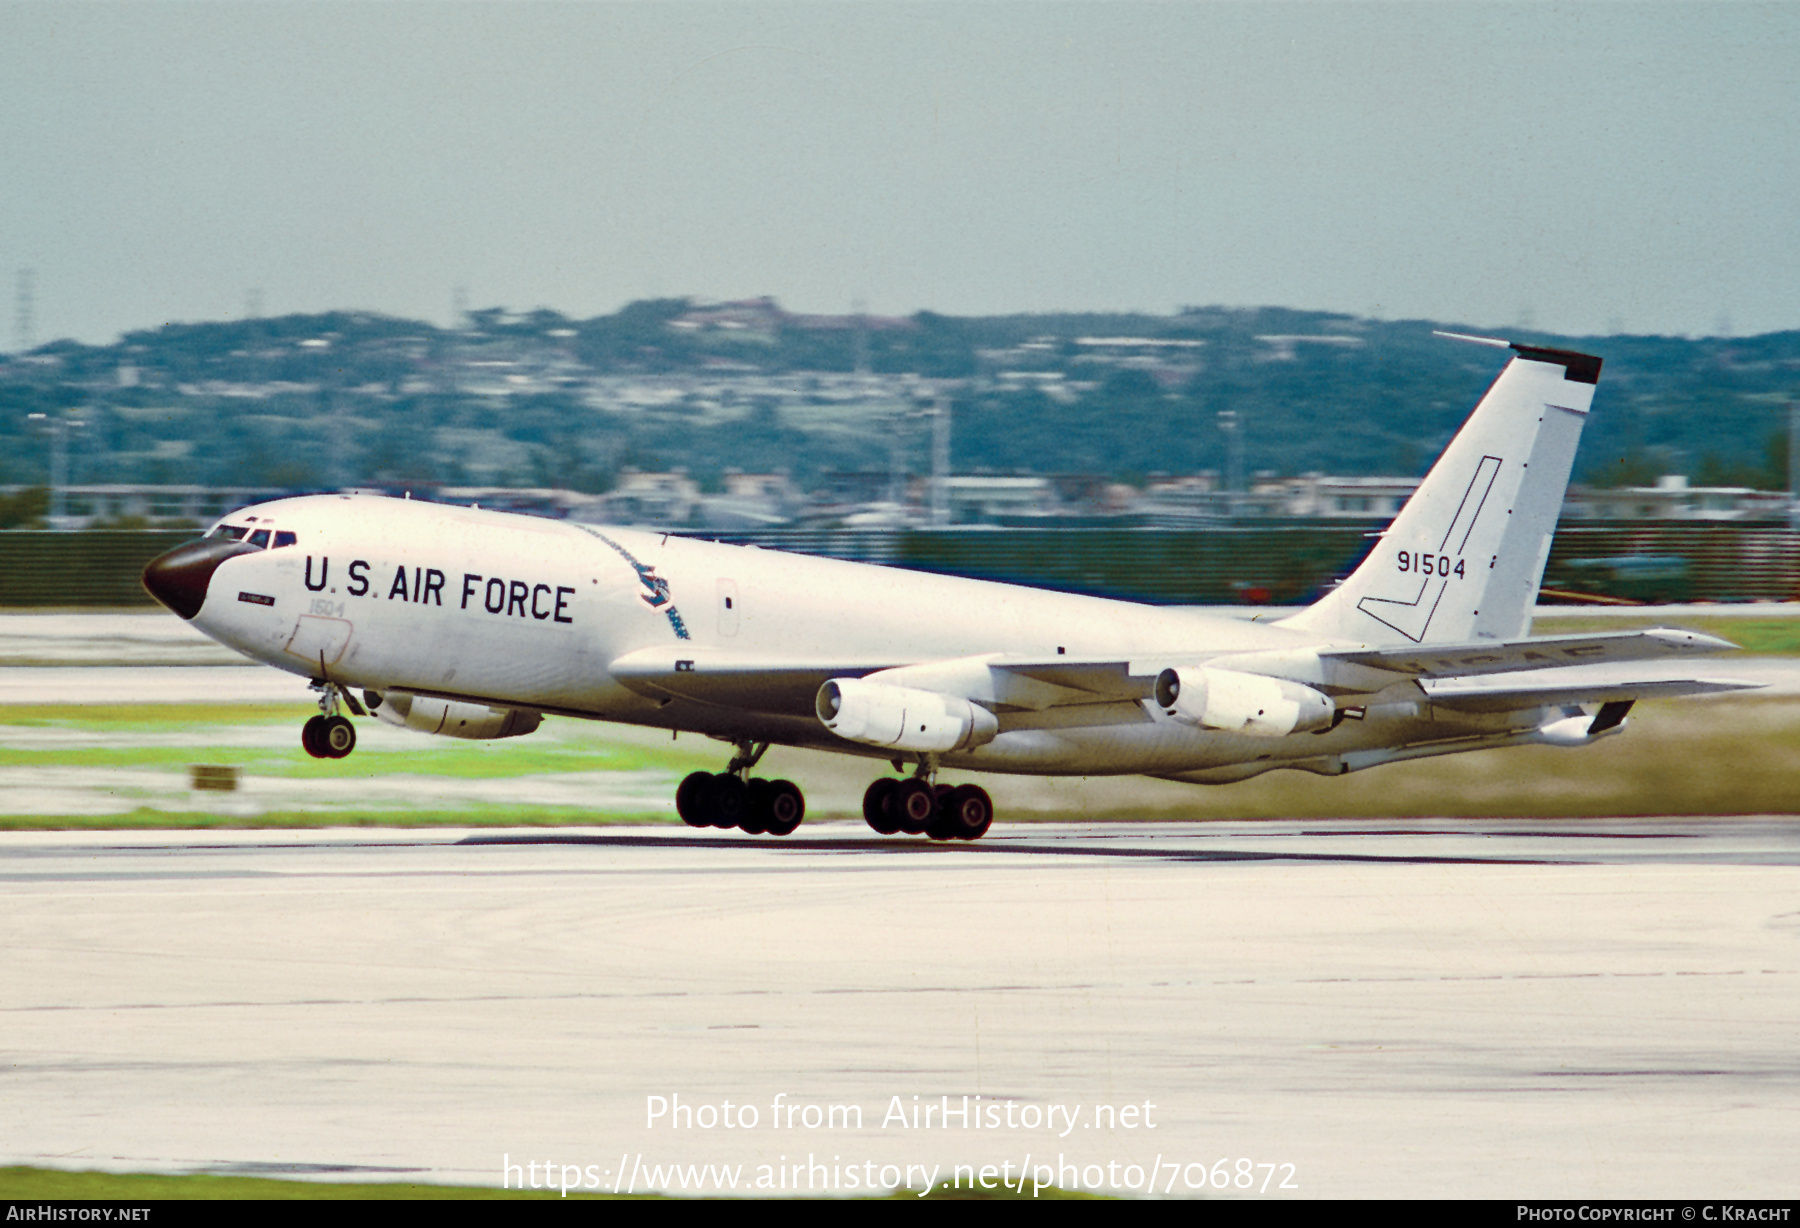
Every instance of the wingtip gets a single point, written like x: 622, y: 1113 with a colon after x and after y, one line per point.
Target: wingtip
x: 1691, y: 641
x: 1726, y: 686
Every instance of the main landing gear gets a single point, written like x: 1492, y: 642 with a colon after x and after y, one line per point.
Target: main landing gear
x: 917, y: 805
x: 733, y: 799
x: 921, y: 808
x: 329, y: 735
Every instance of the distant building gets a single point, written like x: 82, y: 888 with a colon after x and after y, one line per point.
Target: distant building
x: 106, y: 505
x: 1285, y: 347
x: 846, y: 490
x: 761, y: 318
x: 1673, y: 499
x: 650, y: 499
x: 1184, y: 502
x: 1171, y: 361
x: 752, y: 318
x: 1330, y: 498
x: 750, y: 501
x: 986, y: 500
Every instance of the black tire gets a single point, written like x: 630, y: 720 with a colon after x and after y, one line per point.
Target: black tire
x: 940, y: 828
x: 875, y: 812
x: 310, y: 739
x: 968, y: 814
x: 337, y: 737
x: 728, y: 800
x: 755, y: 821
x: 787, y: 806
x: 690, y: 797
x: 913, y: 805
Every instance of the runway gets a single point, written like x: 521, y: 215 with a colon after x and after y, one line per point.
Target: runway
x: 1419, y: 1008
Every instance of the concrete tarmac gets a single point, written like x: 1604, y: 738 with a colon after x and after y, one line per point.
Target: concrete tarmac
x: 1528, y: 1009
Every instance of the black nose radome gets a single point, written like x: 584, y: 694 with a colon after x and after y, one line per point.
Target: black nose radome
x: 179, y: 578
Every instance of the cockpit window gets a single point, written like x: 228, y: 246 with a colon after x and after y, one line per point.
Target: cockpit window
x: 260, y: 538
x: 284, y: 538
x: 232, y: 532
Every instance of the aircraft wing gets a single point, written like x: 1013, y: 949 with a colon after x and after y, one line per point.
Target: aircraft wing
x: 1007, y: 682
x: 764, y: 684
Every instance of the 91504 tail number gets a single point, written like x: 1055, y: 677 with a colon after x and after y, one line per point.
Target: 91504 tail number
x: 1430, y: 564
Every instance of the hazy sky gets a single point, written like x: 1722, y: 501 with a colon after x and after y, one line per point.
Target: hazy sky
x: 1589, y: 167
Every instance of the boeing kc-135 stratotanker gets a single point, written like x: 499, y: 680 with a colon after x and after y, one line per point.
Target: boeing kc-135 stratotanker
x: 476, y: 623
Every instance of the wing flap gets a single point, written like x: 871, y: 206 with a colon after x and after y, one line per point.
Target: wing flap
x: 786, y: 687
x: 1085, y: 681
x: 765, y: 684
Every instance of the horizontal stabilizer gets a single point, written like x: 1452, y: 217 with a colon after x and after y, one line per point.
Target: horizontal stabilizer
x: 1547, y: 652
x: 1511, y: 697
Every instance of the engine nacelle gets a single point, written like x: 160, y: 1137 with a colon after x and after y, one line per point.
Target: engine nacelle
x: 1255, y: 704
x: 451, y: 718
x: 903, y: 718
x: 1576, y: 730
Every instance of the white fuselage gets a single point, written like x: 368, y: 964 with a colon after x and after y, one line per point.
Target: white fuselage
x: 516, y: 611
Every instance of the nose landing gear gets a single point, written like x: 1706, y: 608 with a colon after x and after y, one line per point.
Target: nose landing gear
x: 329, y: 735
x: 733, y: 799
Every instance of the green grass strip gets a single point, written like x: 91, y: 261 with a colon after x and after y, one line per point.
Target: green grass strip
x: 1764, y: 637
x: 54, y: 1185
x: 22, y: 1184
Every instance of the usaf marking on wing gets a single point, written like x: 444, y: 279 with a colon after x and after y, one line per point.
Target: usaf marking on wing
x: 476, y: 624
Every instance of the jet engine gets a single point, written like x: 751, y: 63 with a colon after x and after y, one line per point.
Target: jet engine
x: 1255, y: 704
x: 451, y: 718
x: 903, y: 718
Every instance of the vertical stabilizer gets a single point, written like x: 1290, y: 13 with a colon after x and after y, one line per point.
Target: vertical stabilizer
x: 1464, y: 558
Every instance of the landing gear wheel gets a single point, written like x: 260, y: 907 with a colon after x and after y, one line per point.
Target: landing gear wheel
x: 311, y: 738
x: 965, y: 815
x: 913, y: 805
x: 939, y: 828
x: 787, y: 806
x: 727, y: 800
x: 756, y: 808
x: 875, y: 810
x: 690, y: 797
x: 337, y: 737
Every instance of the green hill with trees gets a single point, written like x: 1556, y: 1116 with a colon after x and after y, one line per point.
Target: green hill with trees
x: 537, y: 398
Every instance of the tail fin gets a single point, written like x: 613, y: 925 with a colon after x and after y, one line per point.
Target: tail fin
x: 1464, y: 558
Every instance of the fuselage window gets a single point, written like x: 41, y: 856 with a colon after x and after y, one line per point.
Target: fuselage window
x: 284, y: 538
x: 260, y: 538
